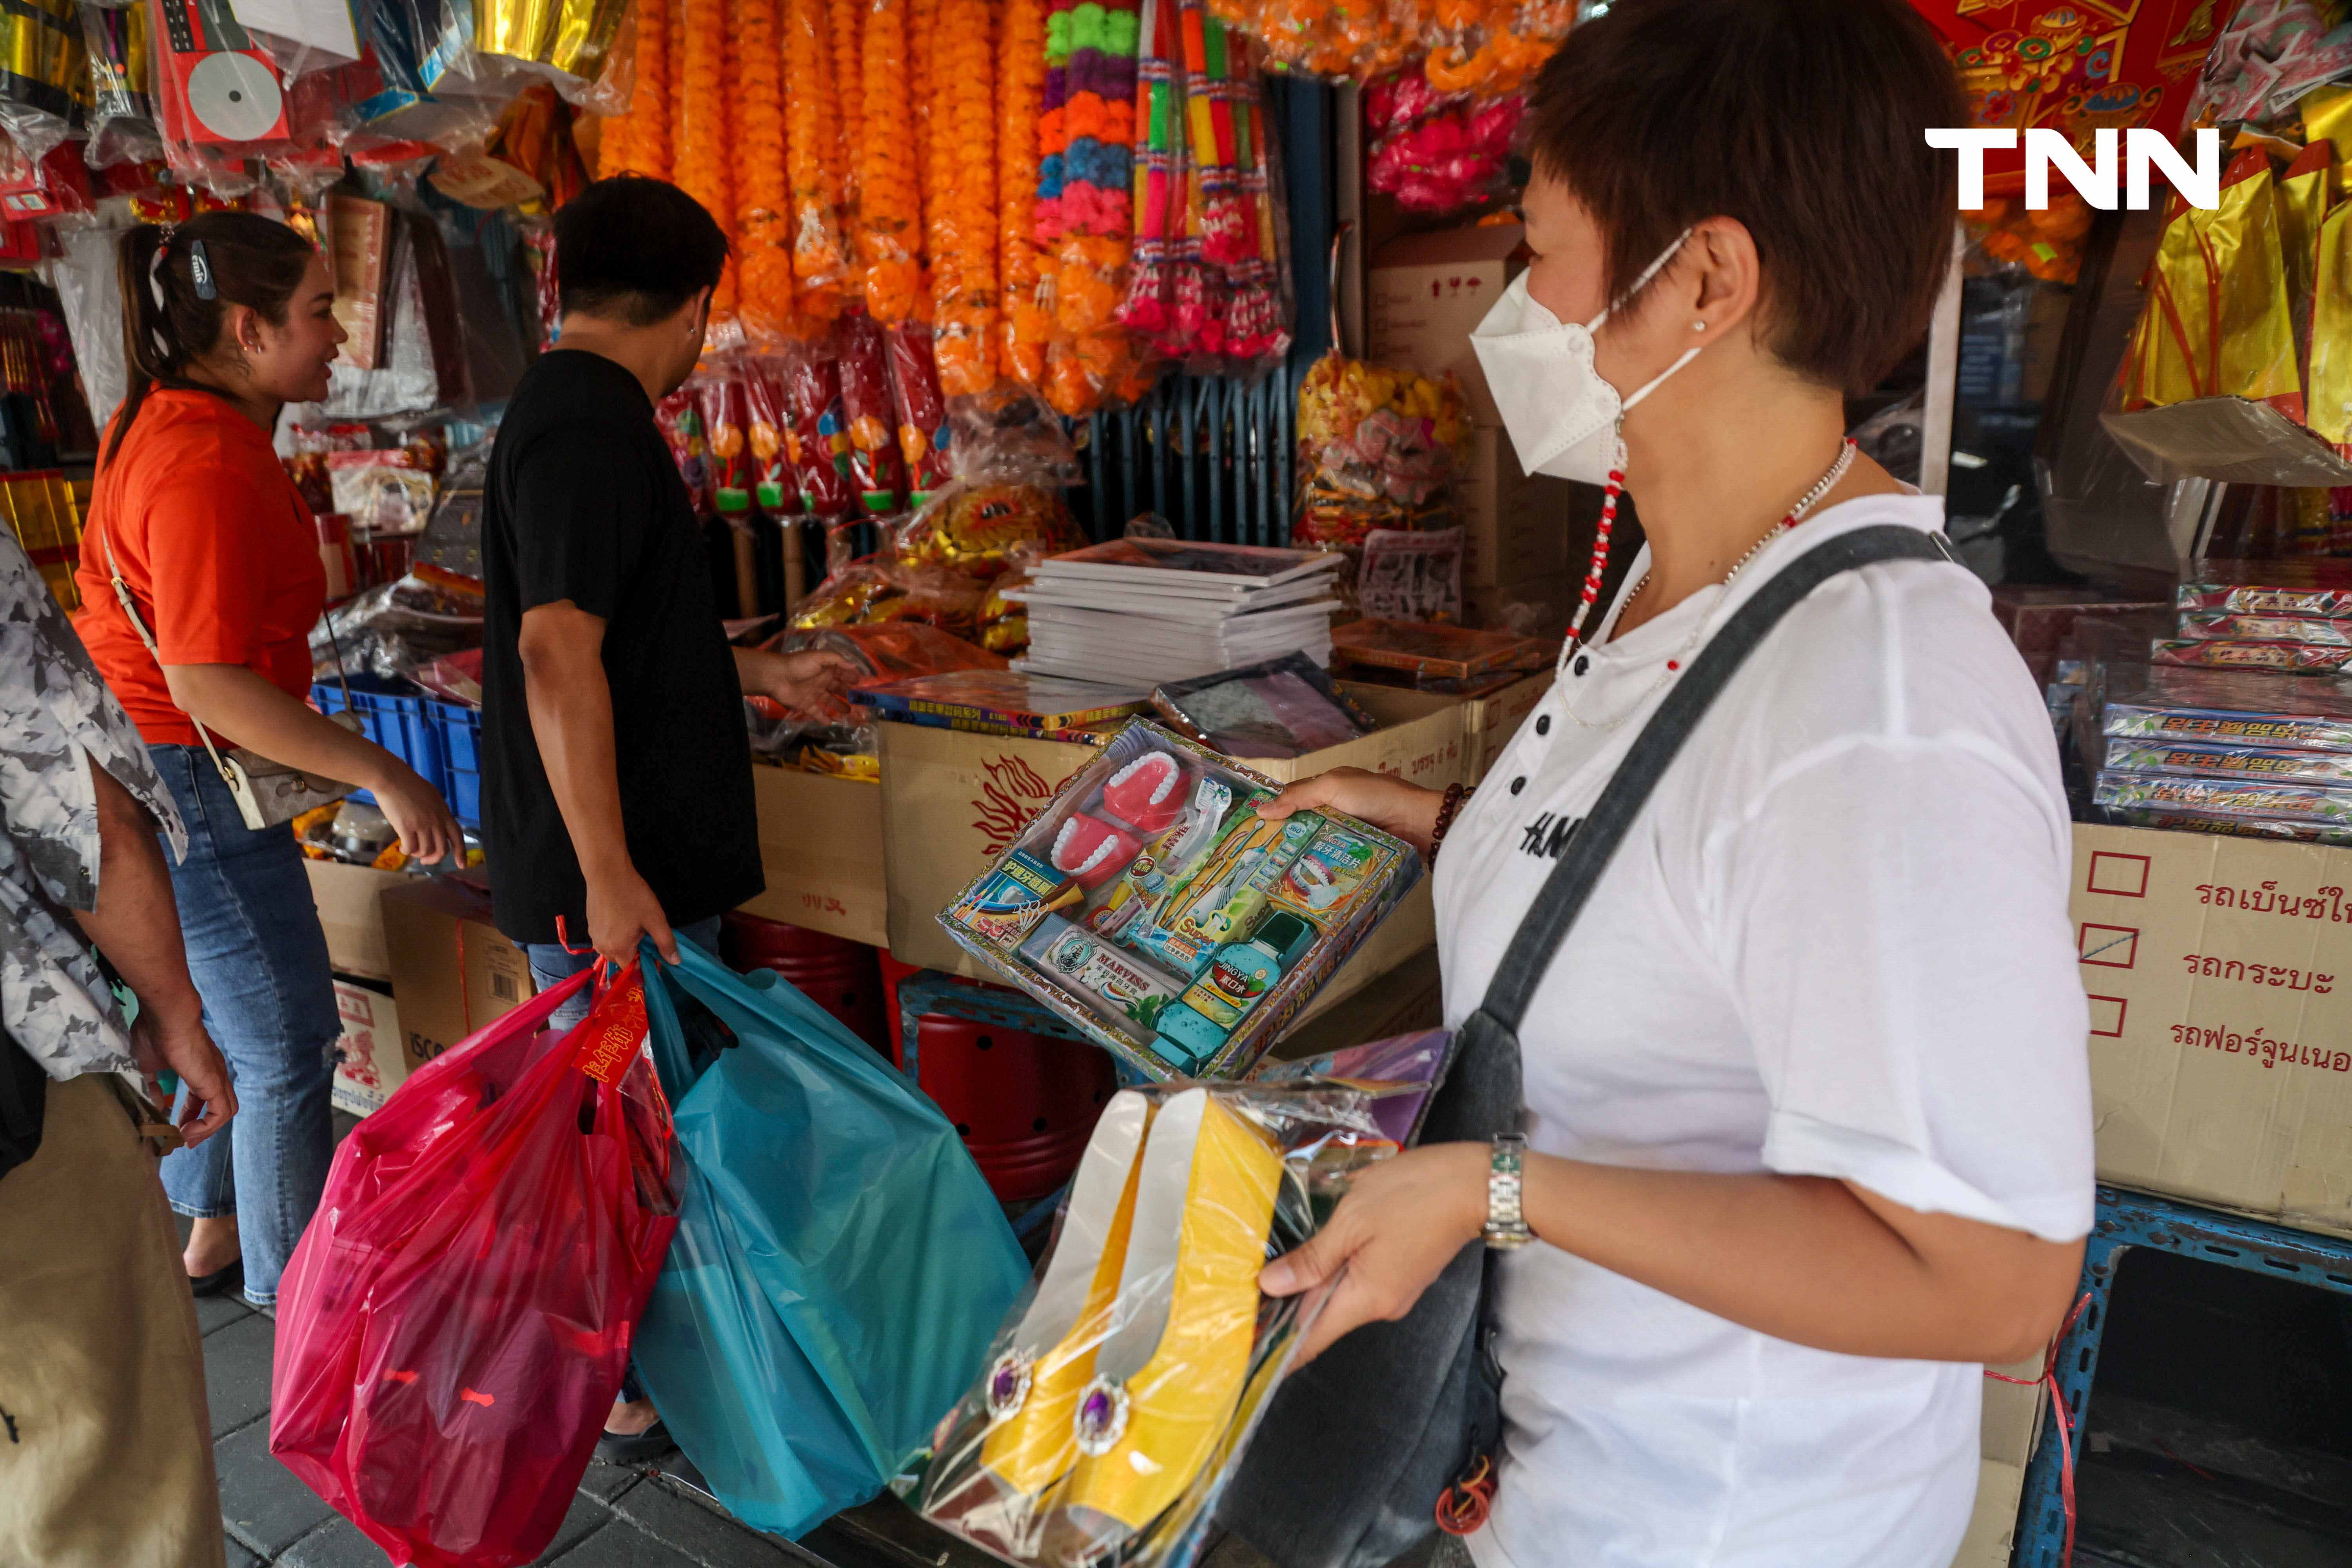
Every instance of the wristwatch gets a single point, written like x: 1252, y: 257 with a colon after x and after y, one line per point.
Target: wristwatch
x: 1506, y: 1223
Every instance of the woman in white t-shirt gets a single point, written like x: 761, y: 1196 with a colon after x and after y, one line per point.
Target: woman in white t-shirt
x: 1807, y: 1092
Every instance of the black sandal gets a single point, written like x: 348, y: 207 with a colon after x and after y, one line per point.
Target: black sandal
x: 219, y: 1282
x: 635, y: 1447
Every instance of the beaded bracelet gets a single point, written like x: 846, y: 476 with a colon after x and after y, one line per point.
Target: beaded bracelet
x: 1447, y: 809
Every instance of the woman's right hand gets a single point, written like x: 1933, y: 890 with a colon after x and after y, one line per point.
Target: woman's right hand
x: 417, y: 812
x: 1406, y: 810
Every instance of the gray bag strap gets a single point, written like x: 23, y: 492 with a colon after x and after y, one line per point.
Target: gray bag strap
x: 1595, y: 841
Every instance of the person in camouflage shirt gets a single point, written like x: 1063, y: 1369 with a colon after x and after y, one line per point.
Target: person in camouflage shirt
x: 105, y: 1442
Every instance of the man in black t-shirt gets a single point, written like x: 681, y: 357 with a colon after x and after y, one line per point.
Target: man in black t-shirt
x: 617, y: 774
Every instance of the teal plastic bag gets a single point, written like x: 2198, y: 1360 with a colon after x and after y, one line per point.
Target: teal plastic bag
x: 840, y: 1266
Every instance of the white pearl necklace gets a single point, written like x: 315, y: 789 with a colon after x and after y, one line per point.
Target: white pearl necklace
x: 1811, y: 498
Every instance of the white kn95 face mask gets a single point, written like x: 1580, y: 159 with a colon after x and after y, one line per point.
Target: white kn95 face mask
x: 1563, y: 418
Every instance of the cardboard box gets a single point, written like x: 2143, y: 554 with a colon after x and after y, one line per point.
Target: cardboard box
x: 1487, y: 723
x: 1428, y: 290
x: 951, y: 801
x: 451, y: 971
x: 2011, y: 1424
x: 346, y: 899
x: 1514, y: 526
x: 821, y: 847
x: 375, y: 1059
x: 2220, y: 975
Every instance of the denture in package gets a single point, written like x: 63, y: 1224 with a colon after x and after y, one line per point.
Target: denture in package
x: 1151, y: 907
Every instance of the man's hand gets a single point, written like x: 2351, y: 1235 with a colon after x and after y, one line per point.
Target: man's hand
x: 185, y: 1047
x: 621, y: 911
x: 809, y: 683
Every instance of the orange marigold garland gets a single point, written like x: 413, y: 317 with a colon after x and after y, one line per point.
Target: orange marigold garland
x: 762, y: 186
x: 701, y: 153
x: 845, y: 21
x: 811, y: 144
x: 674, y: 81
x: 965, y: 242
x: 1026, y: 324
x: 922, y: 29
x: 888, y: 212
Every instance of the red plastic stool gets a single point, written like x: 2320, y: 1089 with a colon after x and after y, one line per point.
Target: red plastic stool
x: 839, y: 975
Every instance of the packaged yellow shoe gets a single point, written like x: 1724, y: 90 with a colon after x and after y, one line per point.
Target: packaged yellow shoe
x: 1031, y: 1388
x: 1167, y: 1378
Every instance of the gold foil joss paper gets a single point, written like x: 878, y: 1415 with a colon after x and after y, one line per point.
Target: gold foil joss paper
x: 2217, y: 321
x: 43, y: 67
x: 2331, y: 330
x: 573, y: 37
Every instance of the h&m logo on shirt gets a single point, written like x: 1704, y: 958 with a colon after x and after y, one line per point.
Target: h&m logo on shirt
x: 1548, y: 835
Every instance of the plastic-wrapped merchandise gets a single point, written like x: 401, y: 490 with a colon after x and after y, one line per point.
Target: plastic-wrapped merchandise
x: 1023, y: 326
x: 889, y: 209
x: 2250, y: 798
x: 2265, y: 629
x: 2174, y: 821
x: 383, y: 492
x: 871, y: 591
x: 817, y: 435
x: 2226, y: 708
x: 763, y: 221
x: 925, y: 432
x: 2200, y: 759
x: 393, y: 630
x: 2312, y: 589
x: 1282, y: 707
x: 1150, y: 906
x: 725, y: 407
x: 1125, y: 1385
x: 41, y: 90
x: 775, y: 483
x: 679, y: 418
x: 565, y: 41
x: 1377, y: 449
x: 2233, y: 653
x: 869, y: 413
x: 976, y: 529
x: 122, y: 119
x: 812, y: 132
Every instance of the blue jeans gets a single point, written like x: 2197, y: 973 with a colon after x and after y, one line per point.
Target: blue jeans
x: 260, y: 960
x: 551, y: 965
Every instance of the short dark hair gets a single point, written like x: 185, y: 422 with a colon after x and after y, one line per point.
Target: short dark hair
x: 636, y: 248
x: 1802, y: 118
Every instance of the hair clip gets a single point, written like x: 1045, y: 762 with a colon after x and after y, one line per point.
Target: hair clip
x: 201, y: 271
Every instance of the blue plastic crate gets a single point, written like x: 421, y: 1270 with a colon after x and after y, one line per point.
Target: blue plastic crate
x: 405, y: 723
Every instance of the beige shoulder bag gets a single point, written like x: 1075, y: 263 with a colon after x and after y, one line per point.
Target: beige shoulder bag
x: 266, y: 793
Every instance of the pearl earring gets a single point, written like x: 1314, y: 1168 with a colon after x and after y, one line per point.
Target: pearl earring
x: 1698, y: 326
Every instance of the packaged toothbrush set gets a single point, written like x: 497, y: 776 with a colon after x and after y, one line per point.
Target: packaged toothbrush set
x: 1149, y: 905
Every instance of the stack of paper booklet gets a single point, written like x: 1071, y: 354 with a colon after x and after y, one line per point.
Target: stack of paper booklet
x: 1151, y: 610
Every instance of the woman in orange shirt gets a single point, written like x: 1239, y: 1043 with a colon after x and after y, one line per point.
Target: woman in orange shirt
x: 226, y: 319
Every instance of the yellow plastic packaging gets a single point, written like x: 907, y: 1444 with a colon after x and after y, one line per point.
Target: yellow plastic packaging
x: 2218, y: 322
x: 1122, y: 1391
x: 2330, y: 397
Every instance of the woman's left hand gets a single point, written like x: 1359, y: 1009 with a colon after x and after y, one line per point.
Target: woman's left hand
x: 1401, y: 1224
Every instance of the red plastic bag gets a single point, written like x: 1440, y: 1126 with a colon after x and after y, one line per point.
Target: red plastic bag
x: 453, y: 1328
